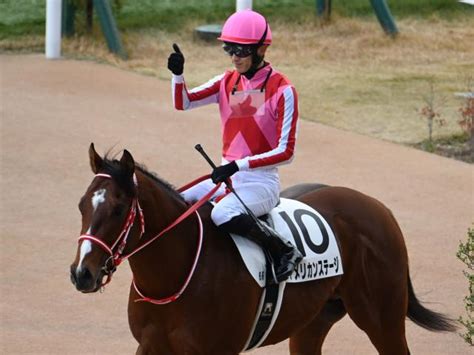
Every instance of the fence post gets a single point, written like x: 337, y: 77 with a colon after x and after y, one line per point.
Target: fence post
x: 68, y: 18
x: 384, y: 16
x: 243, y: 5
x: 53, y: 29
x: 109, y: 27
x: 323, y: 9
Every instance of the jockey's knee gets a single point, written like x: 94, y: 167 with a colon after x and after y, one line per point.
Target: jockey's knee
x: 240, y: 224
x: 223, y: 213
x: 219, y: 216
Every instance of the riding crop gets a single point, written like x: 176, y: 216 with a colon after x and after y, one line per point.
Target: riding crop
x: 200, y: 149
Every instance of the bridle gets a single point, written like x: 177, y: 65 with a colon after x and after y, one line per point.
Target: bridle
x: 115, y: 257
x: 115, y: 252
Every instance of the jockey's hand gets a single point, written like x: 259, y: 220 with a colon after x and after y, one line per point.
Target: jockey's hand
x: 176, y: 61
x: 223, y: 172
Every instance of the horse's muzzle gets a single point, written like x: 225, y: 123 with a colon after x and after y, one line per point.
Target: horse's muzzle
x: 84, y: 280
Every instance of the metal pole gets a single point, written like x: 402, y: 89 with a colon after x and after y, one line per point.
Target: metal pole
x: 323, y: 9
x: 68, y: 18
x: 53, y: 29
x: 109, y: 27
x: 243, y: 5
x: 384, y: 16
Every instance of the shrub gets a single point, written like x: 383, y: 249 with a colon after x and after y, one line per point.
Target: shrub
x: 431, y: 112
x: 467, y: 112
x: 466, y: 255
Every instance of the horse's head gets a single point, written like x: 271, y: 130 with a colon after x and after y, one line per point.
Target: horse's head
x: 106, y: 209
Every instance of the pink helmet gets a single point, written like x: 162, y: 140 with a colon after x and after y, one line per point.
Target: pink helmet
x: 246, y: 27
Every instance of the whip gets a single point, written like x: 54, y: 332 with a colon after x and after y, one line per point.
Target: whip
x: 200, y: 149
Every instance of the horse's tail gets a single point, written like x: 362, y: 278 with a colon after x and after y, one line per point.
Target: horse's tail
x: 426, y: 318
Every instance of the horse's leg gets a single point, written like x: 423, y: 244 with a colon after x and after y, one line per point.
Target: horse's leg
x: 141, y: 350
x: 387, y: 333
x: 378, y: 306
x: 309, y: 341
x: 375, y: 295
x: 374, y: 287
x: 152, y: 342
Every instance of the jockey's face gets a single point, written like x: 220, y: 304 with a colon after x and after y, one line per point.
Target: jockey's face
x: 242, y: 65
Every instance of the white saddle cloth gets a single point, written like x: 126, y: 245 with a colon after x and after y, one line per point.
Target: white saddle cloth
x: 306, y: 229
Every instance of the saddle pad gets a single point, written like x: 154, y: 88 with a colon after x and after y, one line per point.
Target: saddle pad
x: 306, y: 229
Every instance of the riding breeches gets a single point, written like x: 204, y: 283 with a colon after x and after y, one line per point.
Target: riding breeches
x: 259, y: 190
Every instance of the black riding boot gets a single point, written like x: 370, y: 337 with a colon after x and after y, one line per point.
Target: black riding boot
x: 282, y: 254
x: 285, y: 256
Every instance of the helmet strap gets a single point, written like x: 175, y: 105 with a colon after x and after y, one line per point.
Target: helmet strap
x: 256, y: 59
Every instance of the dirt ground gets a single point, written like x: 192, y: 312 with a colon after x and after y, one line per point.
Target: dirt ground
x: 52, y: 110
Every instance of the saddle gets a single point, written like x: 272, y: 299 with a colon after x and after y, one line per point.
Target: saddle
x: 306, y: 229
x: 311, y: 234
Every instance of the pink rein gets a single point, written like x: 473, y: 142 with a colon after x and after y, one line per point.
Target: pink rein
x: 117, y: 257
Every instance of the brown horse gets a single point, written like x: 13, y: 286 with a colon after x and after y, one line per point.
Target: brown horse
x: 213, y: 311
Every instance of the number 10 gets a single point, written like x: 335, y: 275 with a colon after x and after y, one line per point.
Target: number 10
x: 298, y: 215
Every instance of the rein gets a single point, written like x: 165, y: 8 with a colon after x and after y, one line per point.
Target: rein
x: 117, y: 257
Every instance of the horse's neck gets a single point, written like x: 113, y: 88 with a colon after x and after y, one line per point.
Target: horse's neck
x: 160, y: 206
x: 161, y: 266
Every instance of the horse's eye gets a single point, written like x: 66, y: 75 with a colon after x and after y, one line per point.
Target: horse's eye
x: 118, y: 210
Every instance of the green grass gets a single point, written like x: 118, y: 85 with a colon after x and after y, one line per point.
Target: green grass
x: 405, y: 8
x: 453, y: 146
x: 27, y: 17
x: 21, y: 17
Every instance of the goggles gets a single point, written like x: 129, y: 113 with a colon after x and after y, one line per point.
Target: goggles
x: 240, y: 50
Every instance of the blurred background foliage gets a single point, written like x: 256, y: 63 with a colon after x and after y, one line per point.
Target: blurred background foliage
x: 27, y: 17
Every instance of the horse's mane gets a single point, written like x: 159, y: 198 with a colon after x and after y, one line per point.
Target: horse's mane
x: 161, y: 182
x: 113, y: 167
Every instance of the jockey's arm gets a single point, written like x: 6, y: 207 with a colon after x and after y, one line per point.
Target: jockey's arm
x: 205, y: 94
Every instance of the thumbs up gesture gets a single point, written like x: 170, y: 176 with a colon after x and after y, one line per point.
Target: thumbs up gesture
x: 176, y: 61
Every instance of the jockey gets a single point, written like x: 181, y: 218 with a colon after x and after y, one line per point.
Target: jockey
x: 259, y: 113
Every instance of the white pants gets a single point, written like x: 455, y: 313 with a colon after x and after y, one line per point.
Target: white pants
x: 259, y: 190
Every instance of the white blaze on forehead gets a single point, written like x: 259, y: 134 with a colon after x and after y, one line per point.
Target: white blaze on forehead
x: 98, y: 198
x: 86, y: 246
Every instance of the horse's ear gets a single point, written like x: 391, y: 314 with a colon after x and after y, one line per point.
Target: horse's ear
x: 94, y: 159
x: 127, y: 162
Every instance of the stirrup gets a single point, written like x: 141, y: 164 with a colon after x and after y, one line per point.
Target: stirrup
x: 271, y: 276
x: 283, y: 275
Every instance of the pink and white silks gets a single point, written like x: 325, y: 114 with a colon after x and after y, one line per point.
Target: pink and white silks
x: 258, y: 143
